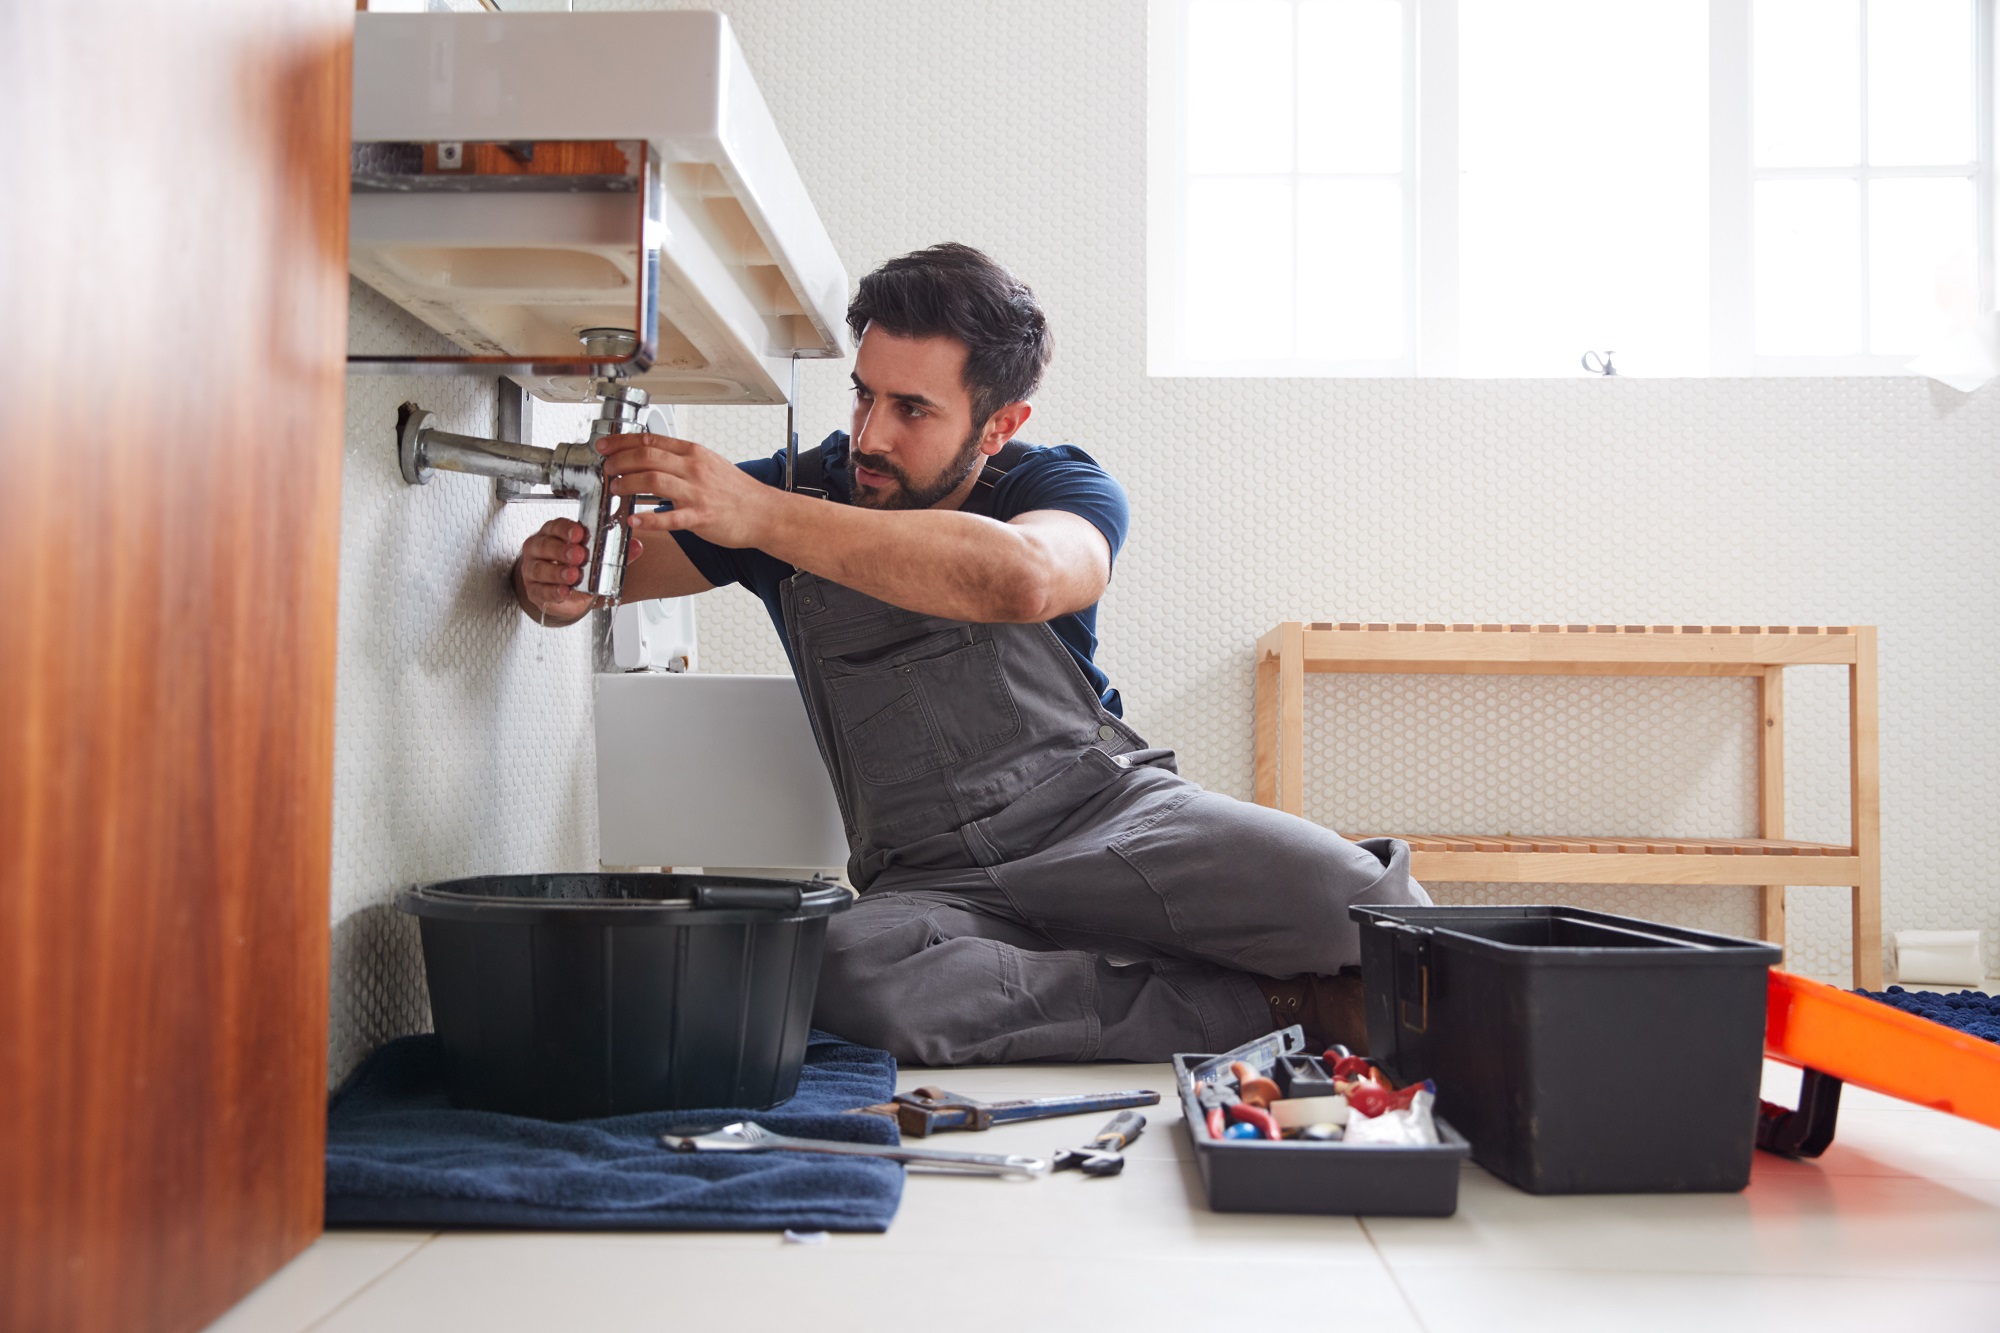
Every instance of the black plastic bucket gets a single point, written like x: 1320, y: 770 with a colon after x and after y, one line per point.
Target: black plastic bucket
x: 572, y: 996
x: 1582, y: 1053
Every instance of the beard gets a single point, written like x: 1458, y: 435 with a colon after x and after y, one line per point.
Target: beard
x: 906, y: 494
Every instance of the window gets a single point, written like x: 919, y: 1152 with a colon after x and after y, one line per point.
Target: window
x: 1866, y: 178
x: 1496, y: 187
x: 1294, y: 158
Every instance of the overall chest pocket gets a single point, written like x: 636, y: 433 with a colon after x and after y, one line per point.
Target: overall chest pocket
x: 918, y: 705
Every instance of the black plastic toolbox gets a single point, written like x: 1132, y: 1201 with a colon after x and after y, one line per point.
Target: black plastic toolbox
x: 571, y: 996
x: 1291, y: 1176
x: 1581, y: 1052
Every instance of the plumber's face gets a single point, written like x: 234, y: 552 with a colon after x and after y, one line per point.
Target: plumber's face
x: 915, y: 445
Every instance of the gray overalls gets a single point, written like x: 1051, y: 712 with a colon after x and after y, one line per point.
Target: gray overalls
x: 1037, y: 883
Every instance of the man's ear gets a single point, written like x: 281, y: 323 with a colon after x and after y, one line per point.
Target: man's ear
x: 1002, y: 426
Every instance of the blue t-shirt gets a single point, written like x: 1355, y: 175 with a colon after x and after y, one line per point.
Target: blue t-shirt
x: 1058, y: 477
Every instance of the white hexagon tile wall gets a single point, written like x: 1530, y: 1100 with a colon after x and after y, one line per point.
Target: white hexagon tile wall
x: 1019, y: 126
x: 462, y: 737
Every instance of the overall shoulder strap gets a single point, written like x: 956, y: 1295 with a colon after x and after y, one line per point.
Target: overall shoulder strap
x: 1010, y: 456
x: 809, y: 476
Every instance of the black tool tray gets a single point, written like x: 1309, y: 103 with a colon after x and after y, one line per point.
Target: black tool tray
x: 1293, y: 1176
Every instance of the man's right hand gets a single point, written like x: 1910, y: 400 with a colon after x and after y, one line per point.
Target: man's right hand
x: 546, y: 575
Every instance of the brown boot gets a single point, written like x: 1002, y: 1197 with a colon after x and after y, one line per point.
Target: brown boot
x: 1329, y: 1008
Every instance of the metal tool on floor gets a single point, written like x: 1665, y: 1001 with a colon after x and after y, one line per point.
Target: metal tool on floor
x: 749, y: 1136
x: 925, y: 1111
x: 1105, y: 1154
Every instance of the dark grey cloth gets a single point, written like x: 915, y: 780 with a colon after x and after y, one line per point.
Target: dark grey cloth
x: 398, y: 1153
x: 1037, y: 882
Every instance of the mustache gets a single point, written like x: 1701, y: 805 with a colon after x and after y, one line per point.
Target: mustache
x: 877, y: 463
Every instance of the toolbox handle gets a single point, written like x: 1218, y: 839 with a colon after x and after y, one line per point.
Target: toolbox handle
x: 1410, y: 966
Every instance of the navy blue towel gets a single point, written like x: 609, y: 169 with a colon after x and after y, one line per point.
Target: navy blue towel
x: 399, y: 1154
x: 1970, y: 1011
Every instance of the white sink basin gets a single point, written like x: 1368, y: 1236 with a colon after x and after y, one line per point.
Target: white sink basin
x: 749, y: 277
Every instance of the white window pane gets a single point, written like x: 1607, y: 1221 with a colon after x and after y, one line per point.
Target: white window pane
x: 1806, y: 83
x: 1923, y: 267
x: 1238, y: 294
x: 1919, y: 82
x: 1350, y: 289
x: 1239, y: 104
x: 1583, y: 190
x: 1808, y: 257
x: 1350, y: 75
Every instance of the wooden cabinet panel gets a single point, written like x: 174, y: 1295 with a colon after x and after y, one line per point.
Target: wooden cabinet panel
x: 173, y: 300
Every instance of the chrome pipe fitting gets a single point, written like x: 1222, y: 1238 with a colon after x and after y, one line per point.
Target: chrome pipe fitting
x: 570, y: 471
x: 443, y: 451
x: 622, y: 413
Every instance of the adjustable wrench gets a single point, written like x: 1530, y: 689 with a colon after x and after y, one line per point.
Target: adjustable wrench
x: 1104, y: 1155
x: 926, y: 1111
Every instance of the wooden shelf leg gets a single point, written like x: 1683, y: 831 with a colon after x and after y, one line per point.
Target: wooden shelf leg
x: 1865, y: 809
x: 1771, y: 794
x: 1771, y: 914
x: 1292, y: 717
x: 1267, y: 729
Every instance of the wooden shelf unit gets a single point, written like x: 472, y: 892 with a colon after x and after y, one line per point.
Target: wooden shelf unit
x: 1761, y: 652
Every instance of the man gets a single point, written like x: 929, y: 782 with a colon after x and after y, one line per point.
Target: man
x: 1036, y: 881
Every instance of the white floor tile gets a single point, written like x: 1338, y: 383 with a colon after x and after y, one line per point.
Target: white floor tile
x: 1155, y: 1208
x: 1941, y: 1147
x: 607, y: 1284
x: 1794, y: 1219
x: 1541, y: 1301
x: 331, y: 1269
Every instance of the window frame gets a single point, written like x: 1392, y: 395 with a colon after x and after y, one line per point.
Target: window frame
x: 1167, y: 175
x: 1734, y: 177
x: 1430, y: 197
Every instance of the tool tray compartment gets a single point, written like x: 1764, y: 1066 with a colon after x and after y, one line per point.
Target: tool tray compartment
x: 1296, y: 1176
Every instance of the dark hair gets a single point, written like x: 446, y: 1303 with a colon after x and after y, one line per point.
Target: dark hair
x: 954, y: 291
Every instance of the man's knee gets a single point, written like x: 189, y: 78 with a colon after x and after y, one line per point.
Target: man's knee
x: 863, y: 946
x: 1297, y: 855
x: 875, y: 924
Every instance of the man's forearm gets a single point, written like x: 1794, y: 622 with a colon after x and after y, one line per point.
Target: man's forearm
x: 934, y: 561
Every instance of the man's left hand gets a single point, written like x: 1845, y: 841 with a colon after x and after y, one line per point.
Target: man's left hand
x: 711, y: 495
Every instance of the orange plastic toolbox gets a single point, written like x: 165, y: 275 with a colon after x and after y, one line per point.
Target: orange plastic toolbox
x: 1839, y: 1037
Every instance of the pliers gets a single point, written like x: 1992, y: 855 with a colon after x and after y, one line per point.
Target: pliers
x: 1222, y: 1104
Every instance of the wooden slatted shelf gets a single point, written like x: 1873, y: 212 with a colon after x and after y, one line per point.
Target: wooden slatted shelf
x: 1447, y: 842
x: 1760, y: 652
